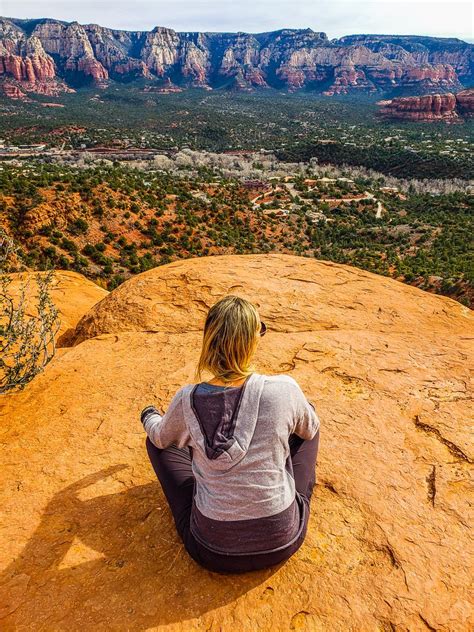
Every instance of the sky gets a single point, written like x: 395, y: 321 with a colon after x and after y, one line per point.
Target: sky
x: 418, y: 17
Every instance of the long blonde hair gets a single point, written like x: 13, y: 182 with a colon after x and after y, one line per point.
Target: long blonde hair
x: 230, y: 338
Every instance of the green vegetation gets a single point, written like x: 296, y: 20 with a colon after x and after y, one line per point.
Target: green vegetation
x: 393, y: 158
x: 27, y: 340
x: 297, y: 127
x: 109, y: 222
x: 66, y: 208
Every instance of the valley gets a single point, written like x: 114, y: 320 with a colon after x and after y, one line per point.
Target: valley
x: 136, y: 165
x: 112, y: 221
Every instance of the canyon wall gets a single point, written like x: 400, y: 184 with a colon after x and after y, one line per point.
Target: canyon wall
x: 33, y: 52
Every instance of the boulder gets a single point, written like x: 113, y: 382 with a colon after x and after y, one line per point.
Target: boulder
x: 321, y: 296
x: 88, y: 540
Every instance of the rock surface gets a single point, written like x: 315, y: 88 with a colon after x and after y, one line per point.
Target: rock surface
x: 89, y: 543
x: 290, y: 59
x: 24, y: 60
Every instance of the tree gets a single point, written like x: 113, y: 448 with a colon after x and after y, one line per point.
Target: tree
x: 27, y: 342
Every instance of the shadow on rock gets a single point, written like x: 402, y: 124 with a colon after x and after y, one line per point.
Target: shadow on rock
x: 111, y: 562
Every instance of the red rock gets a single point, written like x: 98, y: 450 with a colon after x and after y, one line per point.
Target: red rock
x: 88, y: 542
x: 34, y: 73
x: 430, y: 107
x: 32, y: 69
x: 347, y: 78
x: 13, y: 91
x: 72, y: 294
x: 465, y: 102
x: 293, y: 77
x: 255, y: 77
x: 51, y: 88
x: 132, y: 66
x: 295, y: 58
x: 93, y: 68
x: 436, y: 75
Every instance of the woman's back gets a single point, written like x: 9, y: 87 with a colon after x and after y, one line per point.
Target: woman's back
x: 241, y: 464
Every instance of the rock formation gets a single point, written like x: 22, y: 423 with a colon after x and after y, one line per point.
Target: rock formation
x: 289, y: 59
x: 431, y: 107
x: 12, y: 90
x: 465, y: 102
x: 25, y: 64
x: 88, y: 540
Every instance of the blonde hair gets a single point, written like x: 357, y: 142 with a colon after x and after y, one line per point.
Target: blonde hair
x: 230, y: 338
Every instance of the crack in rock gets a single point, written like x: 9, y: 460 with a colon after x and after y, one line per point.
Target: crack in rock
x: 329, y: 486
x: 452, y: 447
x: 395, y: 562
x: 429, y: 627
x: 302, y: 279
x: 431, y: 481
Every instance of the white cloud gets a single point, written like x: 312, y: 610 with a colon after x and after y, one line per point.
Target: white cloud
x: 420, y: 17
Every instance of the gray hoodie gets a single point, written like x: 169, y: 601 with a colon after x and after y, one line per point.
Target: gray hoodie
x: 242, y: 476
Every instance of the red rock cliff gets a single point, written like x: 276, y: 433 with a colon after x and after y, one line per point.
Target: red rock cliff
x: 431, y: 107
x: 465, y: 102
x: 290, y: 59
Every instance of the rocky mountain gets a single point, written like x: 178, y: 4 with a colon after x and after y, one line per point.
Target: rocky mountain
x: 85, y: 523
x: 431, y: 107
x: 48, y: 55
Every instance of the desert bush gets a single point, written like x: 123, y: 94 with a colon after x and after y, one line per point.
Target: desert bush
x: 27, y: 341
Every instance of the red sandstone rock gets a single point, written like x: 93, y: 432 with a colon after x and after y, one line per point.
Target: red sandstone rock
x: 90, y: 67
x: 430, y: 107
x: 255, y: 77
x: 347, y: 78
x: 34, y: 73
x: 465, y: 102
x: 31, y: 69
x: 295, y: 58
x: 72, y: 294
x: 134, y: 67
x: 88, y: 539
x: 51, y: 88
x: 436, y: 75
x: 13, y: 91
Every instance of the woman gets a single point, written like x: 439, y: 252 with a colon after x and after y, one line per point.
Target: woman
x: 236, y: 455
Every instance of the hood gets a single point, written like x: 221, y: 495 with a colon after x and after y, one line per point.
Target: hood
x: 233, y: 442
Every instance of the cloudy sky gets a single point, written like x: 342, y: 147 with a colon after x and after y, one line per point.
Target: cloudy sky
x: 423, y: 17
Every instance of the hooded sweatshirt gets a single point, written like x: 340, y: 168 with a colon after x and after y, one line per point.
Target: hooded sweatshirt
x: 245, y: 500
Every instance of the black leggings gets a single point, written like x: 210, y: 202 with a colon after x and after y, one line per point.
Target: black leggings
x: 173, y: 467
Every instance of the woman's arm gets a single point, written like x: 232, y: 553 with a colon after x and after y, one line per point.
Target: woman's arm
x: 306, y: 419
x: 169, y: 428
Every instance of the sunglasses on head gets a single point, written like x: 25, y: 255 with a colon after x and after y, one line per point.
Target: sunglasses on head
x: 263, y: 328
